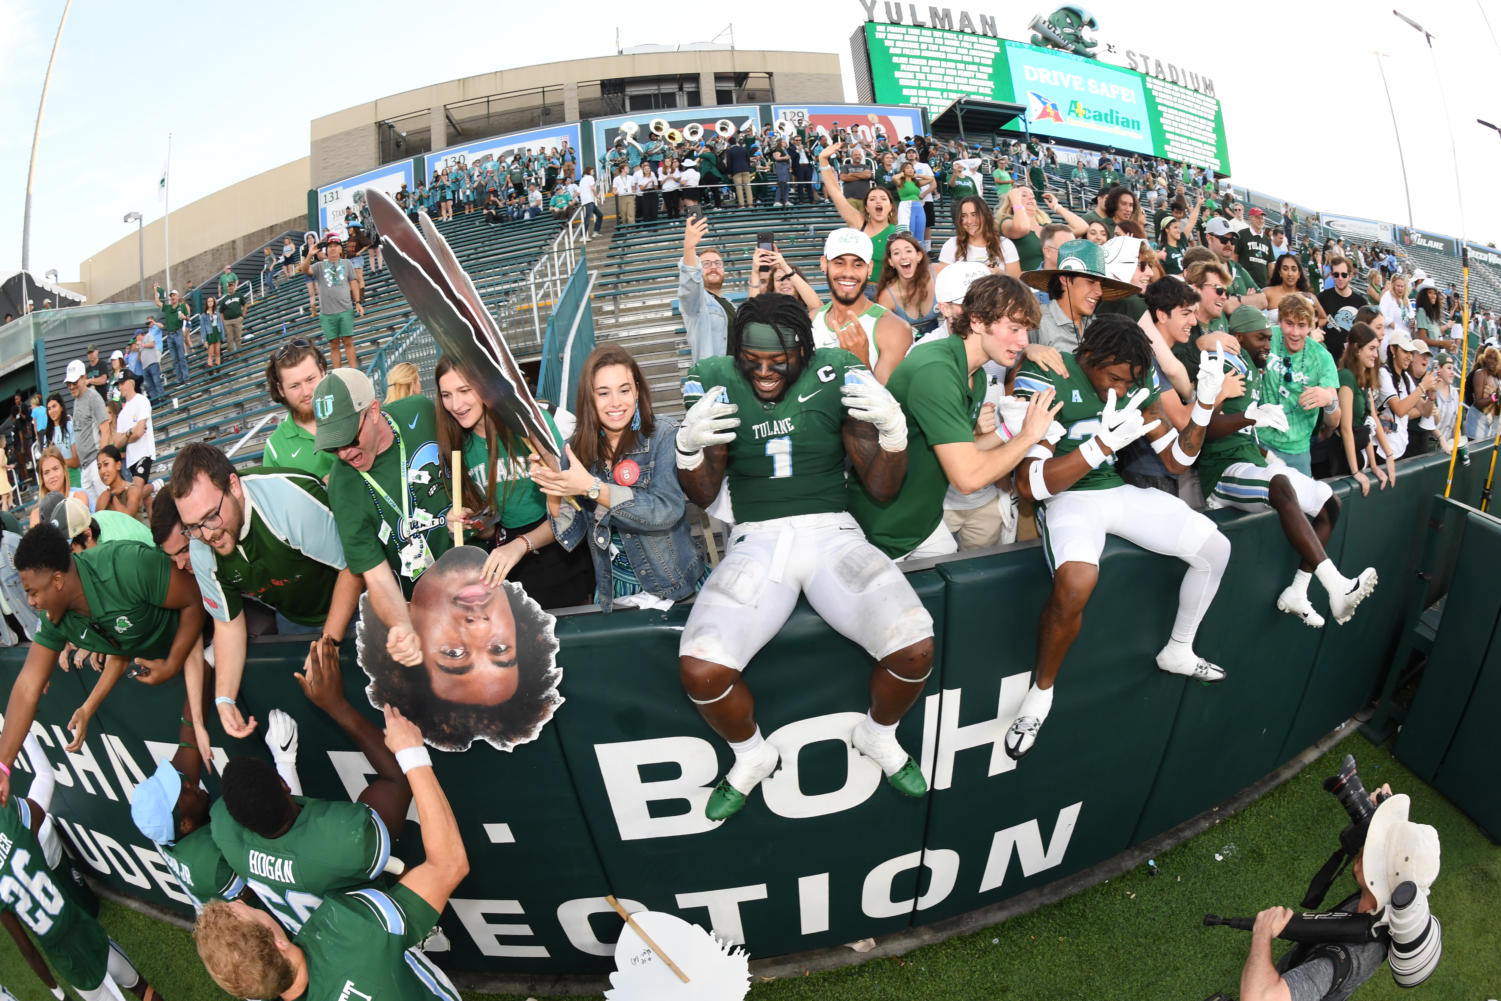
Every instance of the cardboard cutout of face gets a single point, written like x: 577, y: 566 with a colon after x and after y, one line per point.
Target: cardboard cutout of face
x: 489, y: 658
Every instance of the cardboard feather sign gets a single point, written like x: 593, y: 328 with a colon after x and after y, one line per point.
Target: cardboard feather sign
x: 715, y: 970
x: 444, y: 298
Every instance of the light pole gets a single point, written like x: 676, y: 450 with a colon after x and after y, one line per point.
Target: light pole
x: 1485, y: 495
x: 36, y: 137
x: 1406, y: 188
x: 135, y: 217
x: 1464, y: 249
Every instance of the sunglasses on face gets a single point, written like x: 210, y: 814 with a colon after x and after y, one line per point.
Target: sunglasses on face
x: 1340, y: 274
x: 1216, y: 289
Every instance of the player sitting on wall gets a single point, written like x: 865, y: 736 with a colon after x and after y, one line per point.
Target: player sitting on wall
x: 1081, y: 499
x: 778, y: 419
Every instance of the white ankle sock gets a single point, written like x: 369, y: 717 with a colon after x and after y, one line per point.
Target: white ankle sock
x: 1328, y: 574
x: 748, y: 745
x: 870, y: 721
x: 1300, y: 583
x: 1037, y: 702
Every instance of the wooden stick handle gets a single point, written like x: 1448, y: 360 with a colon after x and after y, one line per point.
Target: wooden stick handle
x: 458, y: 494
x: 646, y: 938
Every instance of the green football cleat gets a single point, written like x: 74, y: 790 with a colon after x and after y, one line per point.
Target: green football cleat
x: 724, y: 802
x: 908, y: 780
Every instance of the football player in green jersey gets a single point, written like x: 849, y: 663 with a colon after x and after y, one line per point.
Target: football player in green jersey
x: 1234, y: 472
x: 357, y: 943
x: 1081, y: 499
x: 776, y: 420
x: 36, y: 888
x: 293, y: 849
x: 122, y: 599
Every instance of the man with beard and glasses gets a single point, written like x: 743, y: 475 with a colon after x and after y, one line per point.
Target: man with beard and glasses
x: 264, y: 533
x: 707, y: 314
x: 1242, y: 288
x: 872, y: 333
x: 779, y: 419
x: 291, y: 376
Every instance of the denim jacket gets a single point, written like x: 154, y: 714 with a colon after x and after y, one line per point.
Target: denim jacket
x: 650, y: 516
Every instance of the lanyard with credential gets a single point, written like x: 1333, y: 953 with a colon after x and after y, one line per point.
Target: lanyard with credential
x: 406, y: 491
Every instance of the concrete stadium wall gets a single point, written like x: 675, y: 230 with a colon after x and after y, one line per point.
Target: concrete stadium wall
x: 609, y: 798
x: 346, y: 142
x: 207, y: 234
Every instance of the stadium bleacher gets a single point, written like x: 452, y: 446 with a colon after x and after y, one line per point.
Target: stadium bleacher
x: 220, y: 405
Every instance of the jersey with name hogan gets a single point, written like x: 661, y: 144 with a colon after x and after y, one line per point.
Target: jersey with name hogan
x: 788, y: 457
x: 330, y: 846
x: 1080, y: 415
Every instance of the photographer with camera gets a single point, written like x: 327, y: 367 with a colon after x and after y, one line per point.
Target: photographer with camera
x: 1395, y: 862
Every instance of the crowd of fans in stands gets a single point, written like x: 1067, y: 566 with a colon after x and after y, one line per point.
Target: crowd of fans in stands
x: 971, y: 393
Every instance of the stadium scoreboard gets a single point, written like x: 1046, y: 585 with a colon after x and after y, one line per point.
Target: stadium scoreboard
x: 1067, y: 97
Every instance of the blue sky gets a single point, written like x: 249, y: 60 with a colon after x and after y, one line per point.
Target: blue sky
x: 1303, y: 103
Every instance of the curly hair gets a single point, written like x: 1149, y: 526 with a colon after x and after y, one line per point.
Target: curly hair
x: 453, y: 726
x: 1114, y: 339
x: 255, y: 797
x: 784, y: 312
x: 43, y: 548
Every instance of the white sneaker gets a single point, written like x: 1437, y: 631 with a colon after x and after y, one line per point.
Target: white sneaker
x: 1298, y: 605
x: 882, y: 748
x: 1343, y: 605
x: 1021, y: 735
x: 749, y: 769
x: 1188, y: 664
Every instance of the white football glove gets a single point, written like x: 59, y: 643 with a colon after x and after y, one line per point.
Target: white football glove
x: 1268, y: 415
x: 1121, y: 425
x: 710, y: 421
x: 281, y: 736
x: 1211, y: 376
x: 868, y: 400
x: 1011, y: 414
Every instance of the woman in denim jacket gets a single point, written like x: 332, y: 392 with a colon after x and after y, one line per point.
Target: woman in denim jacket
x: 632, y: 513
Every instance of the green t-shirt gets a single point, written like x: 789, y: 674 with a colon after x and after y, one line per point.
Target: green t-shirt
x: 1133, y: 307
x: 1242, y: 283
x: 370, y: 525
x: 877, y: 252
x: 1172, y: 257
x: 964, y: 187
x: 71, y: 938
x: 200, y: 868
x: 1080, y: 415
x: 1239, y: 446
x: 941, y: 401
x: 517, y: 498
x: 125, y: 585
x: 787, y: 457
x: 173, y: 316
x: 330, y: 846
x: 1029, y: 250
x: 291, y: 447
x: 288, y: 554
x: 1003, y: 184
x: 117, y: 525
x: 224, y: 280
x: 356, y: 945
x: 232, y: 306
x: 1283, y: 382
x: 1361, y: 405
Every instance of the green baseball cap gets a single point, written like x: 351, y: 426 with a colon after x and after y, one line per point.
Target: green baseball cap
x: 1247, y: 319
x: 341, y: 397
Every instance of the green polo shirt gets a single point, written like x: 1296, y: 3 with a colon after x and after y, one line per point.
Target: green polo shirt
x: 290, y: 447
x: 370, y: 525
x: 288, y: 554
x: 125, y: 585
x: 941, y: 401
x: 173, y: 316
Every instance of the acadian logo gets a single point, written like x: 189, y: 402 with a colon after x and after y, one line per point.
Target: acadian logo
x: 1112, y: 118
x: 122, y: 623
x: 323, y: 407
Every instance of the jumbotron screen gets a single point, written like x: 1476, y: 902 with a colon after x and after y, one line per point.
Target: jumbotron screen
x: 1067, y: 97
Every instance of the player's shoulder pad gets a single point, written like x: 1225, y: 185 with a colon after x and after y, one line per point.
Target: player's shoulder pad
x: 1032, y: 378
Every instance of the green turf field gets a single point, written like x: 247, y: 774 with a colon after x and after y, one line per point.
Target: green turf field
x: 1139, y: 936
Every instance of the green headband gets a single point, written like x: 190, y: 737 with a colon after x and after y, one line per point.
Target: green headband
x: 763, y: 337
